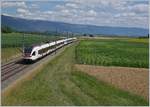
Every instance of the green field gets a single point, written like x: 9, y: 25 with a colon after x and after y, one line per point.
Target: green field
x: 114, y: 52
x: 59, y: 83
x: 12, y: 43
x: 141, y: 40
x: 16, y: 39
x: 10, y: 53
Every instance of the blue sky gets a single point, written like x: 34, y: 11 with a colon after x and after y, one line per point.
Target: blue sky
x: 122, y: 13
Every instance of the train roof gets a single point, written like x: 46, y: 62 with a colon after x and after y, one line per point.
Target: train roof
x: 47, y: 43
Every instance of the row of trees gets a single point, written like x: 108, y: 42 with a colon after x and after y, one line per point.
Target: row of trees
x: 7, y: 29
x: 90, y: 35
x: 144, y: 36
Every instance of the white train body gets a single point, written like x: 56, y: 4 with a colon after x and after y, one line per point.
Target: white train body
x: 35, y: 52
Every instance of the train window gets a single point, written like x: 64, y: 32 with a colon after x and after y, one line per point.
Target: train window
x: 46, y: 49
x: 28, y: 50
x: 33, y: 53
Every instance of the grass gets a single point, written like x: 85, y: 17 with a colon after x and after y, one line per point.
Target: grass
x: 103, y: 93
x: 59, y: 83
x: 141, y: 40
x: 16, y: 39
x: 12, y: 43
x: 113, y: 52
x: 9, y: 53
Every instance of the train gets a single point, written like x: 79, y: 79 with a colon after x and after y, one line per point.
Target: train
x: 36, y: 52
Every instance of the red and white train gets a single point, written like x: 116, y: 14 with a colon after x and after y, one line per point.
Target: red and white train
x: 35, y: 52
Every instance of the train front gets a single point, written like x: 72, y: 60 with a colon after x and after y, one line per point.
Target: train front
x: 27, y: 54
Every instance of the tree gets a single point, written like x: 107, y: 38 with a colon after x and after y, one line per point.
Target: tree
x: 91, y: 35
x: 84, y: 34
x: 7, y: 29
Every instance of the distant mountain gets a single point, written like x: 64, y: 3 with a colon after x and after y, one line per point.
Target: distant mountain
x: 42, y: 26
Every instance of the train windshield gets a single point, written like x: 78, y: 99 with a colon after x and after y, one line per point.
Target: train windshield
x: 28, y: 50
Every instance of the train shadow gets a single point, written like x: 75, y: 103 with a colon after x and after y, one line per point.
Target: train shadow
x: 25, y: 62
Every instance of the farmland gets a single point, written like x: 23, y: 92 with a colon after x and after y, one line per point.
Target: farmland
x: 59, y: 83
x: 113, y: 52
x: 134, y: 80
x: 12, y: 43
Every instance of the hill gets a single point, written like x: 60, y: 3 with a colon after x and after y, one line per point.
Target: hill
x: 42, y: 26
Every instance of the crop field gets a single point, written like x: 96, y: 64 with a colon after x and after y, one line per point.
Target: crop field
x: 134, y: 80
x: 114, y: 52
x: 12, y: 43
x: 60, y: 83
x: 142, y: 40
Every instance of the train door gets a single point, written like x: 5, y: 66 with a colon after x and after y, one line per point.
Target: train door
x: 34, y: 55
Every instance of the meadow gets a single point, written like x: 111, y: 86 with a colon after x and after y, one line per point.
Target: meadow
x: 12, y: 43
x: 114, y: 52
x: 60, y: 83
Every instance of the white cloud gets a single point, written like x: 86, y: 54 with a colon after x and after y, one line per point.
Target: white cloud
x: 34, y: 6
x: 20, y: 10
x: 97, y: 12
x: 25, y: 13
x: 92, y: 13
x: 72, y: 5
x: 140, y: 8
x: 48, y: 12
x: 6, y: 4
x: 126, y: 14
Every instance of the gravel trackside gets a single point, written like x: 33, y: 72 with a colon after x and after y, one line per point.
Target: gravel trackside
x: 134, y: 80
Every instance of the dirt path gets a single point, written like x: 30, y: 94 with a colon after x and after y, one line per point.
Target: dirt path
x: 134, y: 80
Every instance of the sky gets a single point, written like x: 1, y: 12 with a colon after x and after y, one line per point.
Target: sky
x: 121, y: 13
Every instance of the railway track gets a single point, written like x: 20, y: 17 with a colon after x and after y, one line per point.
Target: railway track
x: 11, y: 68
